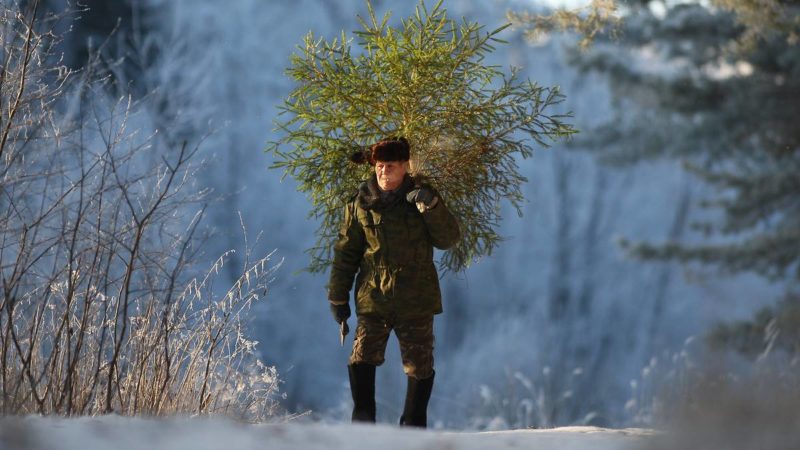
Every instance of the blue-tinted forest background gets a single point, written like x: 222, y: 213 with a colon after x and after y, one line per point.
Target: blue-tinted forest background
x: 558, y: 326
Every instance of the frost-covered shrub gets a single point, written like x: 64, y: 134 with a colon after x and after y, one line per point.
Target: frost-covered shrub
x: 101, y: 307
x: 526, y: 402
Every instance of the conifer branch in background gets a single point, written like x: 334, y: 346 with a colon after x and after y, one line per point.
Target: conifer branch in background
x: 759, y: 20
x: 427, y: 80
x: 600, y: 16
x: 727, y: 110
x: 715, y: 87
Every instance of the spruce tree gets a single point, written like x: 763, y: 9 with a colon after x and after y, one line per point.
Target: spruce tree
x: 426, y: 79
x: 726, y: 103
x: 727, y: 108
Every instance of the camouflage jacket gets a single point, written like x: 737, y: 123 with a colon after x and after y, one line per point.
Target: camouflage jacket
x: 389, y: 244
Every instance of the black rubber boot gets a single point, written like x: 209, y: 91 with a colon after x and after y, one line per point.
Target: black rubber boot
x: 362, y: 386
x: 415, y: 412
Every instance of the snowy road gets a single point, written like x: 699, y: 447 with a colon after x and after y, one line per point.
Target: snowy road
x: 119, y: 433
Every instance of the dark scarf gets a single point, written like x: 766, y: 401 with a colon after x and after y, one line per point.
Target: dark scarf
x: 370, y: 195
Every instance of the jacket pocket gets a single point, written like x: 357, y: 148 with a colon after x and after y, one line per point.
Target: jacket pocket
x: 373, y: 231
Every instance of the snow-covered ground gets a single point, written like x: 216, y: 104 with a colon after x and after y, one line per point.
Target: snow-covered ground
x: 119, y: 433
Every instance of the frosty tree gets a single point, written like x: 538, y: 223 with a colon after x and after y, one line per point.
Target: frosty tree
x: 427, y: 80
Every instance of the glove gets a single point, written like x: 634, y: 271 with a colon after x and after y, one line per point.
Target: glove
x: 424, y: 196
x: 340, y: 312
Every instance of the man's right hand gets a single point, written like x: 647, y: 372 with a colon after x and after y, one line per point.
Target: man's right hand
x: 340, y: 312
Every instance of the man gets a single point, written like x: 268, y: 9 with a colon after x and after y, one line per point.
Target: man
x: 386, y: 242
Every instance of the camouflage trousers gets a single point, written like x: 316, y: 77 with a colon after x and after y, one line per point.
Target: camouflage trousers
x: 415, y: 337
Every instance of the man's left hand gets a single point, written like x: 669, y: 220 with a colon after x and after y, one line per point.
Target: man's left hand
x: 423, y: 197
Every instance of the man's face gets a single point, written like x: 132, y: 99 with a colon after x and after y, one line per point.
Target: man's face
x: 390, y: 174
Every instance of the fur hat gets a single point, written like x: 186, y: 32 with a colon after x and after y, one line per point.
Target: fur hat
x: 391, y: 149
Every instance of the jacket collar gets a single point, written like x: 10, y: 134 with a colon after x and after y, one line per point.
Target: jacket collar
x: 369, y: 194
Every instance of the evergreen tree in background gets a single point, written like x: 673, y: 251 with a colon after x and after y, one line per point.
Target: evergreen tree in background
x: 426, y: 80
x: 718, y: 88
